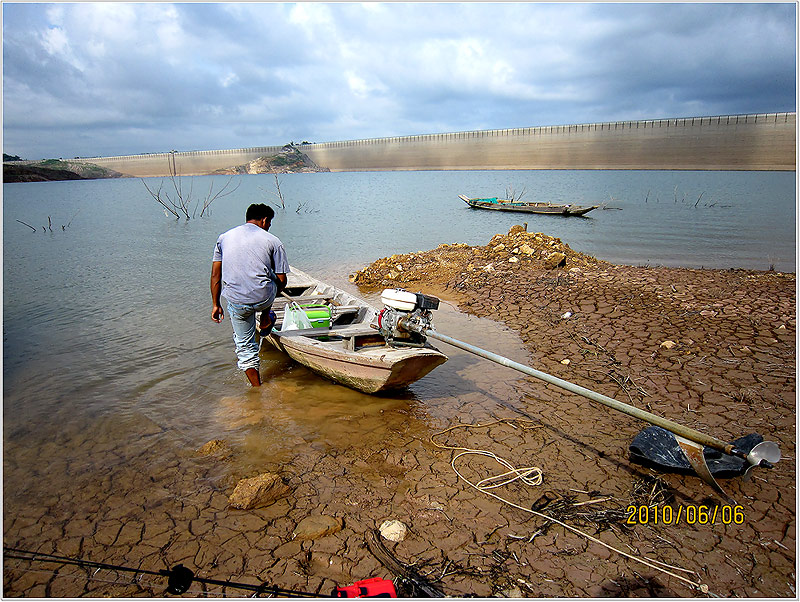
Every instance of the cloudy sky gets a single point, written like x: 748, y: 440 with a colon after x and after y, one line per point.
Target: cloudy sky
x: 109, y: 78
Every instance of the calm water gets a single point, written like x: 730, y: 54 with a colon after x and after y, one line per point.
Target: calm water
x: 123, y: 291
x: 107, y: 334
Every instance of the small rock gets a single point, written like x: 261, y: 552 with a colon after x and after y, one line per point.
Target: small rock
x: 565, y: 362
x: 314, y: 527
x: 555, y: 260
x: 214, y: 446
x: 512, y: 591
x: 668, y: 344
x: 393, y: 530
x: 259, y: 491
x: 488, y: 268
x: 499, y: 247
x: 566, y: 315
x: 527, y: 249
x: 513, y: 259
x: 515, y: 229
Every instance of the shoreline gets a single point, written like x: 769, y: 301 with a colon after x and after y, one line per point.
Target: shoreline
x: 710, y: 348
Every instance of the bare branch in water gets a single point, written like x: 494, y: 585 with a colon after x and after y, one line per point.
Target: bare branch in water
x: 157, y: 196
x: 222, y: 193
x: 700, y: 197
x: 73, y: 217
x: 179, y: 202
x: 279, y: 194
x: 29, y: 226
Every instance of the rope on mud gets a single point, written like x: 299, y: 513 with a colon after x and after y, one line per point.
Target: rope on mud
x: 524, y: 475
x: 530, y: 475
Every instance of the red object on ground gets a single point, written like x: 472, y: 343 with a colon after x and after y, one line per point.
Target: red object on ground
x: 368, y: 588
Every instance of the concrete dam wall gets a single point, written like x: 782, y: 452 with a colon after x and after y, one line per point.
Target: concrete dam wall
x: 764, y: 141
x: 190, y: 163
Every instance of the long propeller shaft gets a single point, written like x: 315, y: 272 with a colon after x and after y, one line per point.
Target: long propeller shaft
x: 674, y: 427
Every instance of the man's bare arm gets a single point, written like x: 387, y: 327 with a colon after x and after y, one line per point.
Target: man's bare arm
x: 281, y: 282
x: 216, y: 290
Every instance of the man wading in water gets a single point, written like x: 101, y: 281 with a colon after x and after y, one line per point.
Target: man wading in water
x: 249, y: 268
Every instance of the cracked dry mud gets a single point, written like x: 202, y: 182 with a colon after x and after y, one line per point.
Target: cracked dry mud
x: 731, y: 371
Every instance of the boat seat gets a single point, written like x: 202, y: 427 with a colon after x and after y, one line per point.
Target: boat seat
x: 282, y: 301
x: 345, y: 331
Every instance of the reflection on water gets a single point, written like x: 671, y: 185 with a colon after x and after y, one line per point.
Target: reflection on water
x: 297, y: 410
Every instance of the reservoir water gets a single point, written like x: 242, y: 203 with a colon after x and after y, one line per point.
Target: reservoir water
x: 113, y: 370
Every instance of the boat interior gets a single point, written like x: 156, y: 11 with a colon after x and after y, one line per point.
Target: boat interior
x: 349, y: 320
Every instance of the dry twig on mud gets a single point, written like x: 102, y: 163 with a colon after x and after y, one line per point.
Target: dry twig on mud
x: 651, y: 491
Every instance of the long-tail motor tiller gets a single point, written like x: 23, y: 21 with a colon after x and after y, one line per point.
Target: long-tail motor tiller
x: 406, y: 319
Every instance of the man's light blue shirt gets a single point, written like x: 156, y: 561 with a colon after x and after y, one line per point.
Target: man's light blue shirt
x: 250, y: 259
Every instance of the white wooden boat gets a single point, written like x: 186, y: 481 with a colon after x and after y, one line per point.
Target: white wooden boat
x: 350, y: 351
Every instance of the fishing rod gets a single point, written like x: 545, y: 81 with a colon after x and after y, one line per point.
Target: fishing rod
x: 180, y: 578
x: 406, y: 319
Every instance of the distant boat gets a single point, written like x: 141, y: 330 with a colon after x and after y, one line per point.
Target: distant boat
x: 342, y: 344
x: 506, y: 205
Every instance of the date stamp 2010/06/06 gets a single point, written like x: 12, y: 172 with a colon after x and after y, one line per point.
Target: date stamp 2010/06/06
x: 687, y: 515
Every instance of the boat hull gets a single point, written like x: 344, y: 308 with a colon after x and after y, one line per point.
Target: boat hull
x: 392, y: 369
x: 352, y: 354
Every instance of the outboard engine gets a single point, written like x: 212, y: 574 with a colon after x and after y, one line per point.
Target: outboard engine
x: 405, y: 316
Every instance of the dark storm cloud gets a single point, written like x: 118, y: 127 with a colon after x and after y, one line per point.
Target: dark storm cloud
x: 109, y: 78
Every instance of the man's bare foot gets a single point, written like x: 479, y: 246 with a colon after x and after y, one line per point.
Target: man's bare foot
x: 253, y: 376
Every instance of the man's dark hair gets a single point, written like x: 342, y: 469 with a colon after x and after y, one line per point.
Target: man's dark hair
x: 259, y: 211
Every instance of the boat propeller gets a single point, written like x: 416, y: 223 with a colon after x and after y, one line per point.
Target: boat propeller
x: 406, y: 319
x: 766, y: 454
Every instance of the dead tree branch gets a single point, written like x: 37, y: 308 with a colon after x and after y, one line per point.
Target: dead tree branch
x: 29, y: 226
x: 279, y: 194
x: 180, y: 203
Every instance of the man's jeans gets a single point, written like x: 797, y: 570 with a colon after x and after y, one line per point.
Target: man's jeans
x: 243, y: 318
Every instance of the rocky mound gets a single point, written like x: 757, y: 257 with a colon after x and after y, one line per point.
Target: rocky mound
x: 288, y: 160
x: 459, y: 265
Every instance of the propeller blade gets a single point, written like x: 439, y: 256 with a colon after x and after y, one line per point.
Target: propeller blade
x: 694, y: 454
x: 765, y: 454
